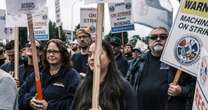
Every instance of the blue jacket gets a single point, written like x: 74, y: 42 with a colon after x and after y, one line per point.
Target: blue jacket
x: 8, y: 67
x: 58, y: 90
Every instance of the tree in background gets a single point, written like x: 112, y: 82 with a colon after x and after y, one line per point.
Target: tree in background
x: 53, y: 31
x: 23, y: 36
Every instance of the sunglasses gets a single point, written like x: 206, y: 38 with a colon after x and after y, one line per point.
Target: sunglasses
x: 156, y: 36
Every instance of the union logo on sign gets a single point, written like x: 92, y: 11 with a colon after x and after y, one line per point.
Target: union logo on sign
x: 187, y: 50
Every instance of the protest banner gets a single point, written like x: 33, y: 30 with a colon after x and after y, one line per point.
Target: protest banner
x: 2, y: 23
x: 120, y: 17
x: 88, y: 18
x: 40, y: 25
x: 200, y: 101
x: 103, y: 1
x: 58, y: 16
x: 15, y: 7
x: 151, y: 13
x: 187, y: 36
x: 16, y: 20
x: 9, y: 33
x: 18, y: 7
x: 58, y: 12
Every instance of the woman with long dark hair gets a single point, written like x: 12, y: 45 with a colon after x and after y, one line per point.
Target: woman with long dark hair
x: 115, y: 91
x: 59, y: 81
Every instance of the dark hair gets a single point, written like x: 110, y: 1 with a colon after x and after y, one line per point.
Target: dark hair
x: 63, y: 50
x: 111, y: 90
x: 38, y: 44
x: 9, y: 45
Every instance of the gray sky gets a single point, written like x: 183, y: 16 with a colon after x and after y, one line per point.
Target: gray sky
x: 66, y: 13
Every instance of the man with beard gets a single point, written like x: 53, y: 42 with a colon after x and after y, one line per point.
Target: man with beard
x: 79, y: 60
x: 128, y: 50
x: 74, y: 47
x: 152, y: 79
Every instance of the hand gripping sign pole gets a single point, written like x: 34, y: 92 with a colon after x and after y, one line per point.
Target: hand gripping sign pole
x: 98, y: 50
x: 176, y: 79
x: 34, y: 57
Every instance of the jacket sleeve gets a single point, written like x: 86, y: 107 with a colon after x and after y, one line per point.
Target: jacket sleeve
x: 187, y: 84
x: 8, y: 94
x: 26, y: 94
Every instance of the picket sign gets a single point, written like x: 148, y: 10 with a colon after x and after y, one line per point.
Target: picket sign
x: 98, y: 50
x: 17, y: 7
x: 103, y: 1
x: 34, y: 57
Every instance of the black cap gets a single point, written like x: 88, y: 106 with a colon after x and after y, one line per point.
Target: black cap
x: 137, y: 49
x: 115, y: 41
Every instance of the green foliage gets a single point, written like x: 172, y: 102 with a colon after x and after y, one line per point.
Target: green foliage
x: 23, y: 36
x: 53, y: 31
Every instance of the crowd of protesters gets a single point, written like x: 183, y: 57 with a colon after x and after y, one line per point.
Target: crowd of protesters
x: 131, y: 79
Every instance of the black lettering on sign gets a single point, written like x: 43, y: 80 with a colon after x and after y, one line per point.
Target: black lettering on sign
x: 183, y: 26
x: 28, y: 5
x: 198, y: 6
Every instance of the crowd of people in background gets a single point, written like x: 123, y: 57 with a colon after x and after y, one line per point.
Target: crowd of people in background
x: 131, y: 78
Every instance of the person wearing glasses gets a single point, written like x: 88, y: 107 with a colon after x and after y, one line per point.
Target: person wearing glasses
x: 59, y: 81
x: 153, y: 79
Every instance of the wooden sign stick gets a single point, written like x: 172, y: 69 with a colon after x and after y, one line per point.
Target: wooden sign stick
x: 16, y: 51
x: 177, y: 77
x: 34, y: 57
x: 98, y: 50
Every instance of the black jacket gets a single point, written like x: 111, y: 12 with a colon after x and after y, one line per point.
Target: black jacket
x: 79, y: 62
x: 137, y: 73
x: 122, y: 64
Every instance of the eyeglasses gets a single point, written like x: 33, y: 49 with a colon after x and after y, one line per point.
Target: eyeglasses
x: 52, y: 51
x: 156, y: 36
